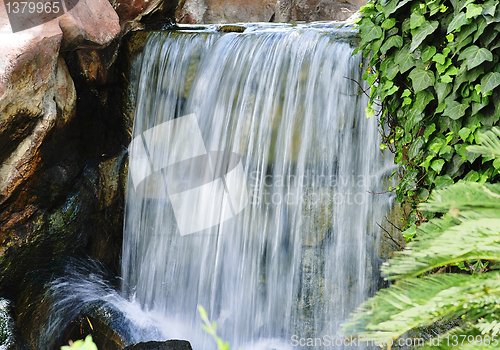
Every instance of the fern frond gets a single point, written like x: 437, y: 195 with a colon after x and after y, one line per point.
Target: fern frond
x: 467, y: 337
x: 472, y: 240
x: 420, y: 302
x: 490, y: 143
x: 464, y: 196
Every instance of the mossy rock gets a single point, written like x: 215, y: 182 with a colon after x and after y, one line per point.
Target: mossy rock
x: 230, y: 28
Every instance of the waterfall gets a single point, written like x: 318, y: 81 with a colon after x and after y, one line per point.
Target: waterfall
x: 302, y: 251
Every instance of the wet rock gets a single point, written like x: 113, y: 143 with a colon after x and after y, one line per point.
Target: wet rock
x: 317, y: 210
x: 316, y: 10
x: 234, y: 11
x: 41, y: 234
x: 173, y: 344
x: 6, y: 325
x: 105, y: 242
x: 231, y: 28
x: 225, y: 11
x: 103, y: 322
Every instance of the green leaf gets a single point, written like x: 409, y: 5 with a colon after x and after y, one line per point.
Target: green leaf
x: 474, y: 56
x: 369, y: 112
x: 457, y: 22
x: 393, y: 41
x: 422, y: 100
x: 421, y: 79
x: 455, y: 110
x: 429, y: 130
x: 416, y: 20
x: 388, y: 68
x: 490, y: 7
x: 473, y: 10
x: 489, y: 82
x: 446, y: 79
x: 428, y: 53
x: 404, y: 59
x: 406, y: 101
x: 389, y: 23
x: 464, y: 133
x: 419, y: 302
x: 441, y: 68
x: 369, y: 32
x: 439, y: 58
x: 437, y: 165
x: 442, y: 91
x: 490, y: 143
x: 392, y: 6
x: 480, y: 28
x: 422, y: 32
x: 443, y: 181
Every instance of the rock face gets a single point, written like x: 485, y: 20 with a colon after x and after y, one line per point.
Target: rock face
x: 316, y: 10
x: 62, y: 145
x: 233, y: 11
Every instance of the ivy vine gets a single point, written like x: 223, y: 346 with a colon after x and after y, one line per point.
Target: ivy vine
x: 433, y: 66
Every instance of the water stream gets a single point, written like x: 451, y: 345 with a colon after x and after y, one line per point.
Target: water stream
x: 303, y: 251
x: 281, y: 240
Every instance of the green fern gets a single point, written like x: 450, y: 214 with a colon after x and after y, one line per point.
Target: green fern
x: 467, y: 235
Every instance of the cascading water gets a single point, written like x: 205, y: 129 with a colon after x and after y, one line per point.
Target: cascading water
x: 302, y: 253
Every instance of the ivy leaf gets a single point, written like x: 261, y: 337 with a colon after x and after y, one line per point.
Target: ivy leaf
x: 429, y: 130
x: 457, y: 22
x: 388, y: 68
x: 463, y: 4
x: 490, y: 7
x: 369, y: 32
x: 443, y: 181
x: 416, y: 20
x: 443, y: 90
x: 439, y: 58
x: 422, y: 32
x: 404, y: 59
x: 464, y: 133
x: 428, y: 53
x: 480, y: 28
x: 455, y: 110
x: 474, y: 56
x: 422, y: 100
x: 437, y: 165
x: 489, y: 82
x: 446, y: 79
x: 421, y: 79
x: 392, y: 6
x: 375, y: 47
x: 473, y: 10
x: 416, y: 147
x: 393, y: 41
x: 389, y: 23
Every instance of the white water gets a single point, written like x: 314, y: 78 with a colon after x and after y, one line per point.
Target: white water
x: 304, y: 251
x: 279, y: 97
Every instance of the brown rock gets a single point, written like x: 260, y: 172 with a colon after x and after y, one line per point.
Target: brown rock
x: 90, y: 24
x: 233, y: 11
x: 133, y: 10
x: 316, y: 10
x: 225, y: 11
